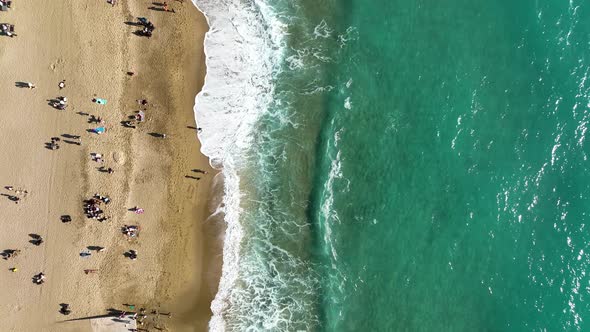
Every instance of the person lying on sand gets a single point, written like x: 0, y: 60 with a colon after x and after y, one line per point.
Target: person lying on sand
x: 106, y: 170
x: 13, y: 198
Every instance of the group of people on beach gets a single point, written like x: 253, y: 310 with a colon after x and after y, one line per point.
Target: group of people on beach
x: 130, y: 231
x: 148, y: 27
x: 94, y: 206
x: 9, y: 253
x: 59, y: 103
x: 15, y: 195
x: 7, y: 29
x: 138, y: 117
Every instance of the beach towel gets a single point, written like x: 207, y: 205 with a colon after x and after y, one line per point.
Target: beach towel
x: 100, y: 101
x: 99, y: 130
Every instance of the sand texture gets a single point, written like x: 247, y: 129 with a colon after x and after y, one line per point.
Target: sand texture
x: 92, y: 45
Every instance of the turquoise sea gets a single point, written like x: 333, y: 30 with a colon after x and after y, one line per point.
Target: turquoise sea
x: 400, y: 165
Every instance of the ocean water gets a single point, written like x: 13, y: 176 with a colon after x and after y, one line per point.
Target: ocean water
x: 400, y: 165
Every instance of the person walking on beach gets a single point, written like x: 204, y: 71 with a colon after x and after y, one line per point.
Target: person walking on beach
x: 30, y: 85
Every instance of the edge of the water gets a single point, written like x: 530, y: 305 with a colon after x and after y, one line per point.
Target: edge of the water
x: 227, y: 122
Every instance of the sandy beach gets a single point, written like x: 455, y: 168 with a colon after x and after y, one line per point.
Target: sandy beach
x: 92, y: 46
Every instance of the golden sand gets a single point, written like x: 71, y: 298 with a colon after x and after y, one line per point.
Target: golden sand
x: 90, y: 45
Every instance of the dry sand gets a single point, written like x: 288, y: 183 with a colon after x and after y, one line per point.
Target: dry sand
x: 88, y: 44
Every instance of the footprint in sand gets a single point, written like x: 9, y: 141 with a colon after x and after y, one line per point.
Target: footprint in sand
x: 190, y: 192
x: 119, y: 157
x: 57, y: 62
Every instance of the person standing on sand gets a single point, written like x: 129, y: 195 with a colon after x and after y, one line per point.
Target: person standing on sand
x: 62, y: 84
x: 166, y: 9
x: 30, y: 85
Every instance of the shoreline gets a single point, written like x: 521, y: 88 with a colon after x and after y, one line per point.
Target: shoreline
x: 177, y: 256
x: 240, y: 54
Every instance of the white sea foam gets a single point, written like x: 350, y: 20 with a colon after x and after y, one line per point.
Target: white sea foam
x: 347, y: 103
x: 322, y: 30
x: 242, y: 49
x: 330, y: 216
